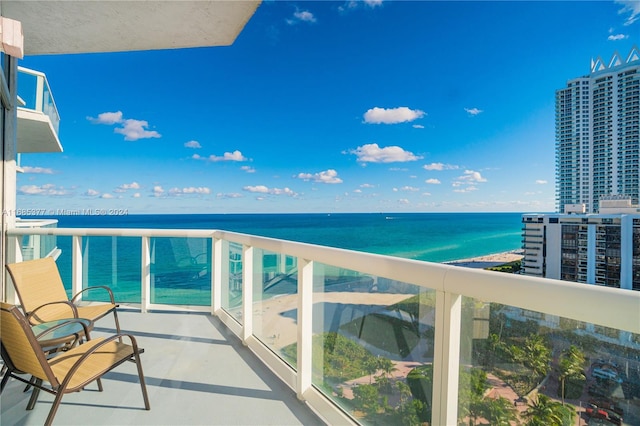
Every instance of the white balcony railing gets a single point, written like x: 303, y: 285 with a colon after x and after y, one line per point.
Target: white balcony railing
x: 243, y: 269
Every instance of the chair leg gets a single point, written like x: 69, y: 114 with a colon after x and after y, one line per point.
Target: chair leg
x: 32, y: 380
x: 115, y: 317
x: 34, y: 394
x: 99, y: 381
x: 5, y: 379
x: 54, y: 408
x: 143, y: 385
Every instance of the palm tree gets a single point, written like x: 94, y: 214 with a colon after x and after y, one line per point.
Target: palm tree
x: 500, y: 411
x: 544, y: 412
x: 537, y: 355
x: 572, y: 363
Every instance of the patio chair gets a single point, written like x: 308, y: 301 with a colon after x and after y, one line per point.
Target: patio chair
x: 66, y: 372
x: 43, y: 297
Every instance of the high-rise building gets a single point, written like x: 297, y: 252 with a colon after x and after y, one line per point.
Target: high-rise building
x: 601, y: 249
x: 598, y: 133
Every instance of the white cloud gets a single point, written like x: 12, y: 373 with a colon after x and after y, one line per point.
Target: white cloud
x: 229, y: 196
x: 46, y: 189
x: 37, y: 170
x: 467, y: 189
x: 157, y: 191
x: 107, y: 118
x: 391, y: 115
x: 192, y: 144
x: 541, y: 182
x: 200, y: 190
x: 440, y: 166
x: 130, y: 128
x: 248, y: 169
x: 632, y: 7
x: 301, y: 16
x: 261, y: 189
x: 404, y: 201
x: 91, y: 193
x: 418, y: 126
x: 328, y: 176
x: 471, y: 176
x: 136, y: 129
x: 433, y: 181
x: 373, y: 3
x: 473, y: 111
x: 136, y: 195
x: 126, y: 186
x: 353, y: 4
x: 106, y: 196
x: 409, y: 188
x: 427, y: 194
x: 467, y: 182
x: 358, y: 191
x: 616, y: 37
x: 227, y: 156
x: 372, y: 153
x: 367, y: 185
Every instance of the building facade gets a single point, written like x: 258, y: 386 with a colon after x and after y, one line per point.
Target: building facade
x: 597, y: 134
x: 600, y: 249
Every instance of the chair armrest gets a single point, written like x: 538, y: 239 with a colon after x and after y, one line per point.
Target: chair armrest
x: 33, y: 314
x: 104, y: 287
x: 64, y: 324
x: 94, y: 349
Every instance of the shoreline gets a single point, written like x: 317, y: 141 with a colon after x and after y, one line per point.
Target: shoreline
x: 488, y: 261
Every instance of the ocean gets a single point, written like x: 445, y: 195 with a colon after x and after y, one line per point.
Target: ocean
x: 435, y: 237
x: 181, y: 267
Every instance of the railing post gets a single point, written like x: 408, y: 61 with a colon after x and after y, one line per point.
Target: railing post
x: 14, y: 254
x: 247, y: 292
x: 39, y: 93
x: 305, y: 326
x: 76, y: 265
x: 446, y: 358
x: 216, y: 276
x: 145, y: 274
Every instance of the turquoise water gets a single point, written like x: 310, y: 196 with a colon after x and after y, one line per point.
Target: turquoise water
x: 181, y: 267
x: 435, y: 237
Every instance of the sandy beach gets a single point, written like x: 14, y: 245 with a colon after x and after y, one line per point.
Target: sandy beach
x: 489, y: 260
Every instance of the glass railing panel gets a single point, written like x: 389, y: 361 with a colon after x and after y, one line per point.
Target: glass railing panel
x: 275, y: 300
x: 180, y: 271
x: 520, y: 366
x: 49, y: 107
x: 34, y: 91
x: 27, y: 89
x: 114, y: 262
x: 373, y: 346
x: 232, y: 279
x: 63, y: 261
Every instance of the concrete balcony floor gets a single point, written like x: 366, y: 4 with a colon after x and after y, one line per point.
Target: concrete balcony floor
x: 197, y: 373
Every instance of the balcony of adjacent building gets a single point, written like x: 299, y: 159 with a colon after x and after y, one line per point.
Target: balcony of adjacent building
x: 38, y: 118
x: 240, y: 329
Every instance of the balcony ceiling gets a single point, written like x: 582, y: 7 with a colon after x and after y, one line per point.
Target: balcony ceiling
x: 55, y: 27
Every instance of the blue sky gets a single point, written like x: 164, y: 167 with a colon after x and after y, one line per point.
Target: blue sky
x: 367, y: 106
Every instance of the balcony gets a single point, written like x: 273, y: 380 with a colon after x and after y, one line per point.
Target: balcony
x: 230, y: 321
x: 38, y: 118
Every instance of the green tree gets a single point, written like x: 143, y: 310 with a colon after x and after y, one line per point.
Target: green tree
x: 544, y: 412
x: 499, y: 412
x: 366, y: 398
x: 472, y: 385
x: 572, y: 361
x: 534, y: 354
